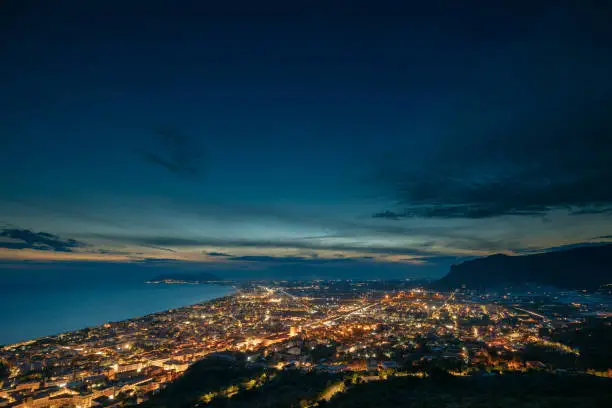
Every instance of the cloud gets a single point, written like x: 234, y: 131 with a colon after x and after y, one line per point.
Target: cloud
x: 271, y: 259
x: 159, y: 248
x: 561, y: 247
x: 153, y: 241
x: 523, y: 131
x: 113, y: 252
x: 592, y: 211
x: 15, y: 238
x: 291, y: 260
x: 470, y: 210
x: 156, y: 260
x: 176, y: 152
x: 217, y: 254
x: 559, y: 159
x: 304, y: 243
x: 389, y: 215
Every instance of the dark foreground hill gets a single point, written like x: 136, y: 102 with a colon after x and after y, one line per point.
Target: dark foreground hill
x: 578, y: 268
x: 228, y: 381
x: 536, y: 390
x: 223, y: 383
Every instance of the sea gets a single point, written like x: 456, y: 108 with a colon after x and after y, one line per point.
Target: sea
x: 31, y: 307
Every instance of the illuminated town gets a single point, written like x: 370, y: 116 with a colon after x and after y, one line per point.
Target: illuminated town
x: 339, y: 327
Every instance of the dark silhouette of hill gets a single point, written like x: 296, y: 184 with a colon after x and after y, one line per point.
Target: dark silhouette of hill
x: 577, y: 268
x: 236, y: 383
x: 232, y: 383
x: 445, y: 391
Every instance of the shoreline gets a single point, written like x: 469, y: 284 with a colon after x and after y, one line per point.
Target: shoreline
x: 174, y: 290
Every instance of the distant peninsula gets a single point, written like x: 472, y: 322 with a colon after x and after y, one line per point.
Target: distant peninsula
x: 578, y: 268
x: 188, y: 278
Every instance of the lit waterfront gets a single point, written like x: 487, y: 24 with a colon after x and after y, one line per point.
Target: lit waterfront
x: 331, y: 327
x: 32, y: 312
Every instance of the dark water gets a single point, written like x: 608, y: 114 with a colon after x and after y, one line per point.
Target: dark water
x: 31, y: 308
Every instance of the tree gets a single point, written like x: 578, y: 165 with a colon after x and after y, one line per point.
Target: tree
x: 5, y: 371
x: 386, y: 373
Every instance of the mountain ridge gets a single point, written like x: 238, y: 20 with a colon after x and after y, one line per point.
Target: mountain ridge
x: 586, y: 267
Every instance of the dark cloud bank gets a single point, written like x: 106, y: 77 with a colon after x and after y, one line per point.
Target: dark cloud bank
x: 27, y: 239
x: 530, y: 168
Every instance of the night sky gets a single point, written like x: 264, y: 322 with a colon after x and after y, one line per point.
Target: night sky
x: 396, y: 136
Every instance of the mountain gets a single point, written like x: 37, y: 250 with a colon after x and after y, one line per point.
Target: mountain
x: 203, y: 277
x: 577, y: 268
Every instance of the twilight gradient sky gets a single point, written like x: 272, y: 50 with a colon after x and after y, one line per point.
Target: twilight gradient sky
x: 303, y: 135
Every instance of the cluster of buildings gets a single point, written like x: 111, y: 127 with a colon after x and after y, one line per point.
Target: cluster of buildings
x: 309, y: 326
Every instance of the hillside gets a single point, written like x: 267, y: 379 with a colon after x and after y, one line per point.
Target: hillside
x: 528, y: 390
x: 578, y: 268
x: 233, y: 383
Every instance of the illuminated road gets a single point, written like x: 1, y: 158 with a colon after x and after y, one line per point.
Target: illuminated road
x: 325, y: 320
x: 532, y: 313
x: 304, y: 303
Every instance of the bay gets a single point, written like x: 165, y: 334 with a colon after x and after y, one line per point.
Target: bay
x: 33, y: 311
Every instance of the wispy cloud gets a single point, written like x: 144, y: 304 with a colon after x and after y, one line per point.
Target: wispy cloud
x: 26, y: 239
x: 593, y: 211
x: 389, y: 215
x: 113, y: 252
x: 156, y: 260
x: 292, y: 260
x: 310, y: 244
x: 159, y: 248
x: 217, y: 254
x: 603, y: 237
x: 176, y: 152
x: 539, y: 165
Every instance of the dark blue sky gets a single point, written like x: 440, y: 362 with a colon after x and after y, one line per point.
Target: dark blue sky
x: 321, y: 135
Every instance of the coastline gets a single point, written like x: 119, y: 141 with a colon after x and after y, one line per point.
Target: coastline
x: 40, y: 316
